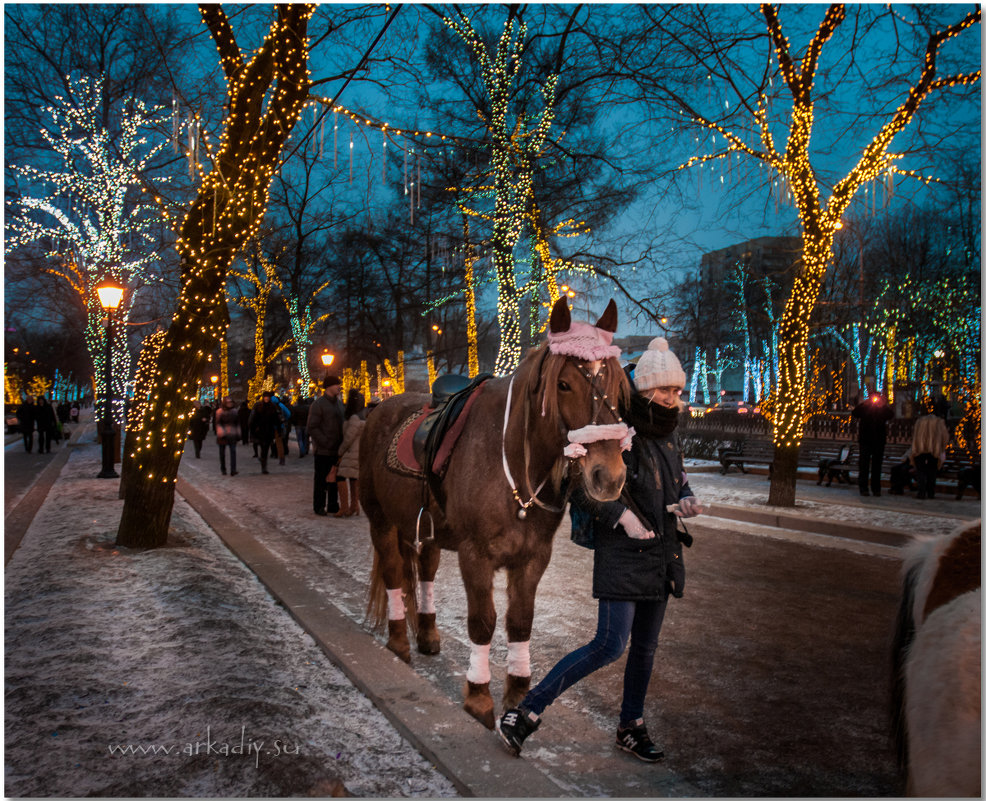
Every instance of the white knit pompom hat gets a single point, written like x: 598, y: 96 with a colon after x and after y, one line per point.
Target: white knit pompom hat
x: 658, y: 367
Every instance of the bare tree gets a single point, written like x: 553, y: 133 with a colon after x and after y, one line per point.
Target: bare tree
x: 749, y: 129
x: 266, y: 96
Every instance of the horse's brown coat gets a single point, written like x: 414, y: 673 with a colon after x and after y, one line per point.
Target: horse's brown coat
x: 959, y: 570
x: 503, y: 497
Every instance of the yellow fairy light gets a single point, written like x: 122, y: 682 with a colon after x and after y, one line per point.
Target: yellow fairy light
x: 819, y: 220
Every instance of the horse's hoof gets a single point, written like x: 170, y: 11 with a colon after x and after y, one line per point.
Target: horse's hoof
x: 397, y: 641
x: 514, y: 690
x: 479, y: 703
x: 429, y: 641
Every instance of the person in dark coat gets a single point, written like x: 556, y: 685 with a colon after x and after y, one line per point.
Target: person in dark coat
x: 199, y: 425
x: 227, y: 428
x: 300, y: 418
x: 325, y: 421
x: 637, y: 562
x: 62, y: 413
x: 25, y: 422
x: 44, y: 416
x: 263, y: 425
x: 873, y: 415
x: 244, y: 412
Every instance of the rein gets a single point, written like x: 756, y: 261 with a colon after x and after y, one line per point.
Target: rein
x: 522, y: 512
x: 577, y: 440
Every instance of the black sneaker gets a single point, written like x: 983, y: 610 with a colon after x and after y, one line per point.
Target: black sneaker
x: 514, y: 726
x: 636, y: 741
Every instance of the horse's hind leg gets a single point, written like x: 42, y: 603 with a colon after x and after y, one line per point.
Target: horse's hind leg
x: 389, y: 571
x: 429, y: 641
x: 477, y: 577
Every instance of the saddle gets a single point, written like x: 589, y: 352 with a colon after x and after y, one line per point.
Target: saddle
x: 435, y: 436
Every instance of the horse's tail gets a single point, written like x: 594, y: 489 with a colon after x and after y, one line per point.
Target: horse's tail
x: 376, y: 603
x: 903, y: 637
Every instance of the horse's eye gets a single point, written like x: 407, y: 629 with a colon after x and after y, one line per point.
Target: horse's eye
x: 563, y: 386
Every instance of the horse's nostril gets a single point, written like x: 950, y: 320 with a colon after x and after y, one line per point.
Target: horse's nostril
x: 604, y: 478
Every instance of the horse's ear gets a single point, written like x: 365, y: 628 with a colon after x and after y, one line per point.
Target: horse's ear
x: 561, y: 318
x: 608, y: 321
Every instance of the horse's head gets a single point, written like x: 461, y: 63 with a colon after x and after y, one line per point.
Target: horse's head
x: 581, y: 387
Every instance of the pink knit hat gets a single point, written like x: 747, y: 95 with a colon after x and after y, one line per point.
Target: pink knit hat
x: 582, y: 340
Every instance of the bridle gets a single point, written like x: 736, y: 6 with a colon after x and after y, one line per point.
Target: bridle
x: 577, y: 438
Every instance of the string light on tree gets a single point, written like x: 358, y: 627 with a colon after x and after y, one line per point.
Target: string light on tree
x: 86, y: 213
x: 515, y: 146
x: 818, y: 218
x: 265, y: 96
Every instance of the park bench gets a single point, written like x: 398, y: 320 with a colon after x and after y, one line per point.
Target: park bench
x: 837, y: 467
x: 747, y: 451
x: 752, y: 451
x: 964, y: 471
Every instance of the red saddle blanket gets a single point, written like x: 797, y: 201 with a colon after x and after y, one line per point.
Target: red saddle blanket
x: 404, y: 449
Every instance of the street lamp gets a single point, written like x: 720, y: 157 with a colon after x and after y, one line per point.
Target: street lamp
x: 215, y: 380
x: 327, y: 359
x: 110, y: 294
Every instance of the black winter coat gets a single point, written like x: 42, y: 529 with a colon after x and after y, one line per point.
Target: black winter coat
x: 873, y: 419
x: 626, y: 569
x: 264, y: 422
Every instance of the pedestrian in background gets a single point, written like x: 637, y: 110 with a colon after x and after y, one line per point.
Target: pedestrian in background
x: 325, y: 422
x: 62, y: 413
x: 873, y: 415
x: 25, y: 422
x: 244, y: 413
x: 637, y: 560
x: 928, y: 446
x: 347, y: 475
x: 283, y: 427
x: 300, y: 416
x: 263, y: 428
x: 44, y: 415
x: 227, y: 427
x: 199, y: 427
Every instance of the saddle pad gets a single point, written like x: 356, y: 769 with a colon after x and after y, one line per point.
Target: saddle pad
x: 400, y: 453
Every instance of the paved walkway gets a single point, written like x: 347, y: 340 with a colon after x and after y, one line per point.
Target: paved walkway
x: 425, y: 716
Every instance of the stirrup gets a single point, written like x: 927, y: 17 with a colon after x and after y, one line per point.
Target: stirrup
x: 418, y: 542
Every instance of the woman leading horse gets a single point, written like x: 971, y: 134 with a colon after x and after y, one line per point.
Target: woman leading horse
x: 503, y: 493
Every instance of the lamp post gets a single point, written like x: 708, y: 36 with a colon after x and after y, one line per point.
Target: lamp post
x: 110, y: 296
x: 327, y: 359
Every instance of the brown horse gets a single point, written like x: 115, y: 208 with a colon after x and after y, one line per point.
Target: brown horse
x: 937, y: 666
x: 503, y: 495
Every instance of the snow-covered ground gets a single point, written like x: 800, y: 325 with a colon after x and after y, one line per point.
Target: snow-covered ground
x: 838, y: 503
x: 112, y: 656
x: 174, y: 673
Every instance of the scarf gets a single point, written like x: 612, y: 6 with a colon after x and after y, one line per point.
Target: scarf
x: 651, y: 420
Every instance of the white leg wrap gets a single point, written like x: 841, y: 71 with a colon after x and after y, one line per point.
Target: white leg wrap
x: 426, y: 597
x: 479, y: 664
x: 519, y: 658
x: 395, y: 604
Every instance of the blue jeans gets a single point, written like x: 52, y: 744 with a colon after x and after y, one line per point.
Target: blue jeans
x: 637, y: 621
x: 302, y: 434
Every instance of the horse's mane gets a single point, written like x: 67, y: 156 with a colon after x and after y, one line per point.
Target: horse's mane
x: 542, y: 369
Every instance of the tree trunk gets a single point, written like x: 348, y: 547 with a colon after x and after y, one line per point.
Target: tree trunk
x: 784, y: 475
x: 225, y: 215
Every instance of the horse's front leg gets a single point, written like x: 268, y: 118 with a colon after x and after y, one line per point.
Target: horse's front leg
x: 429, y: 641
x: 522, y: 584
x: 477, y: 577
